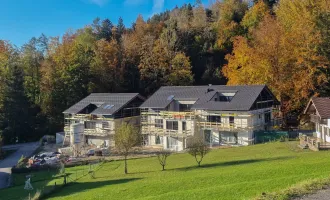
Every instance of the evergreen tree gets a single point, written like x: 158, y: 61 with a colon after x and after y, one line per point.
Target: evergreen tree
x: 120, y: 29
x: 16, y: 121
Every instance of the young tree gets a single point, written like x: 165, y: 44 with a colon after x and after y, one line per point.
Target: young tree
x: 162, y: 157
x: 198, y: 148
x: 126, y: 137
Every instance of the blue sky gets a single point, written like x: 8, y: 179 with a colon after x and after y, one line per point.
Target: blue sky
x: 20, y: 20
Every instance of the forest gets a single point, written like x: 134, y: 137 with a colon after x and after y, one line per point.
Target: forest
x: 284, y: 44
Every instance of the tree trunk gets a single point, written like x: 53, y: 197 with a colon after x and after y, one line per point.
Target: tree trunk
x: 163, y: 167
x: 199, y: 163
x: 125, y: 164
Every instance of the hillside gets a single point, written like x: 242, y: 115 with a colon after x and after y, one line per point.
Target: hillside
x: 235, y: 173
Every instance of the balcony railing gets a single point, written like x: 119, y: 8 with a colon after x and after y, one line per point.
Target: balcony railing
x: 220, y: 125
x: 99, y: 132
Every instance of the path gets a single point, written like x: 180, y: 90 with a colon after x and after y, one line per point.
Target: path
x: 319, y: 195
x: 5, y: 165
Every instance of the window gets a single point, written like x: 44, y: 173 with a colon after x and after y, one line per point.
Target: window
x: 158, y: 123
x: 158, y: 140
x: 184, y: 126
x: 172, y: 125
x: 108, y: 106
x: 105, y: 125
x: 184, y: 107
x: 170, y: 98
x: 90, y: 125
x: 231, y: 120
x: 259, y: 116
x: 214, y: 119
x: 228, y: 137
x: 207, y: 136
x: 267, y: 117
x: 225, y: 98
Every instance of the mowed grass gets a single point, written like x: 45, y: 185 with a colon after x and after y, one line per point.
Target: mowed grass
x: 235, y: 173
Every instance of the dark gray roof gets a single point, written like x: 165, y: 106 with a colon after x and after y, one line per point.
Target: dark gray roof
x: 242, y: 101
x: 107, y: 103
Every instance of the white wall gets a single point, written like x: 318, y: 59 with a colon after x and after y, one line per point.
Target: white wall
x: 242, y: 120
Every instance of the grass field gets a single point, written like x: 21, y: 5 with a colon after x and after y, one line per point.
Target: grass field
x: 235, y: 173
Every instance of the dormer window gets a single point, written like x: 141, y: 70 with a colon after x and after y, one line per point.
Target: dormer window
x: 225, y: 96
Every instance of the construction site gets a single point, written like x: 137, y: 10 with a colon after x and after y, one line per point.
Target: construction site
x: 173, y: 129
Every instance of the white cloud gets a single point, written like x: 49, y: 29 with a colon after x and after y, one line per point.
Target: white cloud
x: 158, y: 6
x: 99, y: 2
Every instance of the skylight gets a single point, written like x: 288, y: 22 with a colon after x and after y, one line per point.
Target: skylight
x: 169, y: 98
x: 108, y: 106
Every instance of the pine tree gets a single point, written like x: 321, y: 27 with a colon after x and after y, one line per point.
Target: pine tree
x: 16, y: 122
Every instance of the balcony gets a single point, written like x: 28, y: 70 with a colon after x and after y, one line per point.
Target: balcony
x: 96, y: 132
x: 222, y: 126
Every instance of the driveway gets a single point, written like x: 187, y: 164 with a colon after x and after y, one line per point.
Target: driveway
x: 25, y: 149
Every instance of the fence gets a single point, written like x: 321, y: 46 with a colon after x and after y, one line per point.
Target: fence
x: 54, y: 175
x: 268, y: 136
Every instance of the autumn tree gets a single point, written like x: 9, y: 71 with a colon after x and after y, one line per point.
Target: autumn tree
x: 231, y: 13
x: 32, y: 57
x: 283, y: 54
x: 105, y: 69
x: 66, y: 75
x: 255, y: 15
x: 126, y: 137
x: 180, y: 73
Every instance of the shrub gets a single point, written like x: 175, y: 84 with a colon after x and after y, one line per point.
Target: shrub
x: 162, y: 156
x: 198, y: 148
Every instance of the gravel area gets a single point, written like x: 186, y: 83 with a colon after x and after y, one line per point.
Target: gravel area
x: 319, y: 195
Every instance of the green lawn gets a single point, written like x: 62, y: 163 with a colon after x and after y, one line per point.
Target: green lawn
x: 235, y: 173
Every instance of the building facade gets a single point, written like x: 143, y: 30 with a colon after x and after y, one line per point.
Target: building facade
x: 318, y: 108
x: 224, y: 115
x: 101, y: 114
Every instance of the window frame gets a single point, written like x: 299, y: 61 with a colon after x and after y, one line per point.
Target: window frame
x: 159, y: 124
x: 174, y: 125
x: 184, y: 125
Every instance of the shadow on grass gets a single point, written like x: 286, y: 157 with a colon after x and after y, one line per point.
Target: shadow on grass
x: 73, y: 188
x: 232, y: 163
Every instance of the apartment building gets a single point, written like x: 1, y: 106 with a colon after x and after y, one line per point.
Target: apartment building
x: 224, y: 115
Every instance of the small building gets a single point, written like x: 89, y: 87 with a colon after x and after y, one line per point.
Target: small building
x: 101, y: 114
x: 318, y: 108
x: 224, y: 115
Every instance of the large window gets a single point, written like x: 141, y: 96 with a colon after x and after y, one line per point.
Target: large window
x: 158, y: 139
x: 207, y: 136
x: 172, y: 125
x: 90, y: 125
x: 214, y: 119
x: 228, y: 137
x: 184, y: 107
x: 184, y: 126
x: 225, y: 98
x: 158, y: 123
x: 231, y: 120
